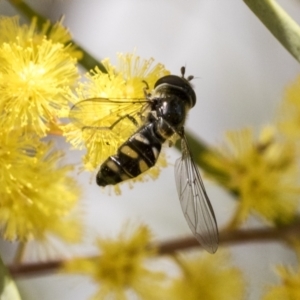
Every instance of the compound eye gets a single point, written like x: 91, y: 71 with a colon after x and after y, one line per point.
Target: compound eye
x: 180, y: 83
x: 169, y: 79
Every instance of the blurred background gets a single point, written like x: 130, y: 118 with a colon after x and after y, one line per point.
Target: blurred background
x: 241, y: 72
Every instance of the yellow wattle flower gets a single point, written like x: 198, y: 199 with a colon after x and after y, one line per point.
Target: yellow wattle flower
x: 209, y: 277
x: 289, y: 112
x: 11, y: 31
x: 289, y: 287
x: 121, y: 266
x: 263, y: 173
x: 38, y: 197
x: 36, y: 77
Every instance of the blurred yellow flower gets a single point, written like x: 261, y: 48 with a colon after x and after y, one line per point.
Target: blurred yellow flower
x: 263, y: 173
x: 37, y: 195
x: 36, y: 77
x: 288, y: 289
x: 289, y: 112
x: 121, y: 266
x: 209, y: 277
x: 125, y: 81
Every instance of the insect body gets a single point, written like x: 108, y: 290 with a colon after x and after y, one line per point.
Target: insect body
x: 169, y: 107
x: 134, y: 157
x: 163, y: 114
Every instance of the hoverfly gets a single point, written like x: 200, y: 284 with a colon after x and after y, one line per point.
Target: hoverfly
x: 162, y: 114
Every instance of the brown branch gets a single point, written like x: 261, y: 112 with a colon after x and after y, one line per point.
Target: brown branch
x: 169, y: 247
x: 235, y: 237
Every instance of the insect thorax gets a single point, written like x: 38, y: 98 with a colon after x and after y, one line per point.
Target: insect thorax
x: 170, y: 110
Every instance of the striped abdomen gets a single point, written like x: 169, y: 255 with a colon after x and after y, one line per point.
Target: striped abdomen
x: 134, y: 157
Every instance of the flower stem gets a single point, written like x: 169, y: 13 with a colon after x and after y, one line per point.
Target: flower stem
x: 281, y: 25
x: 20, y: 253
x: 28, y: 12
x: 281, y: 234
x: 87, y: 60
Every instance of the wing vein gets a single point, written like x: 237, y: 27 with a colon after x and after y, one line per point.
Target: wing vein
x: 194, y: 201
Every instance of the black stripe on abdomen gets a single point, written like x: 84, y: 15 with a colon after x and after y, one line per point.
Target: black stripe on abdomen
x: 134, y: 157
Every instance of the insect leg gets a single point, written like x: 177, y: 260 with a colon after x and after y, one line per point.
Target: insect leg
x: 146, y: 89
x: 131, y: 118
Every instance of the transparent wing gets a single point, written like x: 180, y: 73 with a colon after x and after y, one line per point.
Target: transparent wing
x: 194, y: 201
x: 106, y: 113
